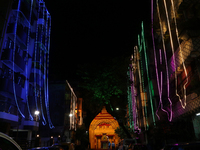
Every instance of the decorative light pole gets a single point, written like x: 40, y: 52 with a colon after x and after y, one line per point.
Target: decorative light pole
x: 36, y: 115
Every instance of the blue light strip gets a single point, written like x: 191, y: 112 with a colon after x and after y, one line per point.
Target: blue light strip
x: 40, y: 73
x: 47, y: 104
x: 15, y: 32
x: 31, y: 117
x: 35, y: 70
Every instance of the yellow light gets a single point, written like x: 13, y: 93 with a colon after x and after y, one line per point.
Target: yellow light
x: 172, y: 46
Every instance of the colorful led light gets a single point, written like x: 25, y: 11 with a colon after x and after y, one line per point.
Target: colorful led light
x: 147, y: 72
x: 133, y: 96
x: 130, y: 104
x: 140, y: 72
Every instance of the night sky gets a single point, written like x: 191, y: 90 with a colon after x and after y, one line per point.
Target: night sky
x: 87, y: 31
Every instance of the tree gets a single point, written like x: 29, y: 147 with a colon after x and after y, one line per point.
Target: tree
x: 105, y: 83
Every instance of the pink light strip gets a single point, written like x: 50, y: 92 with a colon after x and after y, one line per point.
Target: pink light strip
x: 133, y: 97
x: 159, y: 84
x: 160, y: 56
x: 166, y: 64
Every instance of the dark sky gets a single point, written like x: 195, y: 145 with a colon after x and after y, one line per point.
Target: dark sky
x: 86, y: 31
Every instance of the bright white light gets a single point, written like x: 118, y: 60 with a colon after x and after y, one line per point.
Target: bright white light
x: 117, y: 108
x: 70, y: 115
x: 198, y: 114
x: 38, y: 135
x: 37, y: 112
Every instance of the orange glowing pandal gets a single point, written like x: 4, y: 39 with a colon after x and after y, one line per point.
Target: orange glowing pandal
x: 171, y: 42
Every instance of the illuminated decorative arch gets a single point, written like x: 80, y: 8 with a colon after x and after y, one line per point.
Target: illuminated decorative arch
x: 103, y: 124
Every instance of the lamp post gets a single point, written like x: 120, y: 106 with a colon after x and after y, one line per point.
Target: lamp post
x: 36, y: 115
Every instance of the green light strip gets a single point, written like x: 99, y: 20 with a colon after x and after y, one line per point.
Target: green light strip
x: 149, y: 84
x: 142, y: 86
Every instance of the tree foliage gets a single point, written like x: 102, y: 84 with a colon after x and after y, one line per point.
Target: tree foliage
x: 104, y: 80
x: 103, y: 83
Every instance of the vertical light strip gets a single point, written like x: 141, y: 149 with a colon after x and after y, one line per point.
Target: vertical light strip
x: 129, y: 101
x: 155, y: 59
x: 140, y: 71
x: 160, y: 56
x: 47, y: 104
x: 27, y: 51
x: 147, y: 72
x: 40, y: 73
x: 35, y: 64
x: 135, y: 68
x: 15, y: 36
x: 183, y: 104
x: 172, y: 46
x: 132, y: 96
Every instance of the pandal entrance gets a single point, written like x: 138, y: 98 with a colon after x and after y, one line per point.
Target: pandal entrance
x: 102, y: 130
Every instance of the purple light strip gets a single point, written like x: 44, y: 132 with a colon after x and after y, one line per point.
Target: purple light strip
x: 166, y: 64
x: 185, y: 71
x: 167, y: 72
x: 133, y: 97
x: 160, y: 56
x: 158, y: 82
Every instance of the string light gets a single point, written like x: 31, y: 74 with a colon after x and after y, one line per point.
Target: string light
x: 47, y: 103
x: 140, y: 71
x: 27, y: 51
x: 35, y: 65
x: 166, y: 65
x: 130, y: 103
x: 180, y: 49
x: 15, y: 32
x: 40, y: 72
x: 133, y: 96
x: 147, y: 72
x: 172, y: 46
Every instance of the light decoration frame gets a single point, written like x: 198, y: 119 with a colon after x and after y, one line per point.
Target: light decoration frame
x: 160, y: 80
x: 36, y: 91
